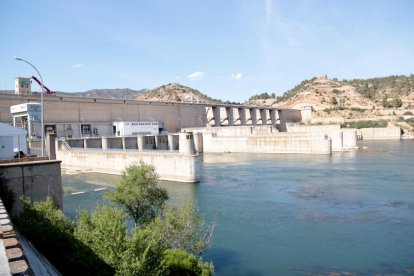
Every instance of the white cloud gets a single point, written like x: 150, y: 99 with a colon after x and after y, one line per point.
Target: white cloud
x: 237, y: 76
x: 78, y: 65
x: 195, y: 76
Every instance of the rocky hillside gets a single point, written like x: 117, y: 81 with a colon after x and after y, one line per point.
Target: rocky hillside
x: 124, y: 93
x: 174, y: 92
x: 333, y: 100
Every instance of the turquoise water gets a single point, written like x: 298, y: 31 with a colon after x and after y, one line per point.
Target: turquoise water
x: 351, y: 212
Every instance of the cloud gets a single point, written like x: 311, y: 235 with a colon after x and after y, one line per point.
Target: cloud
x: 78, y: 65
x: 237, y: 76
x: 195, y: 76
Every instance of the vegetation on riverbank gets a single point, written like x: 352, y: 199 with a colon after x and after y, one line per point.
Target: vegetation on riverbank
x: 164, y: 240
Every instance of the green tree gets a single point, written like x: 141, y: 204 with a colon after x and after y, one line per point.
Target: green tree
x: 139, y: 194
x: 182, y: 228
x: 104, y: 231
x: 178, y: 262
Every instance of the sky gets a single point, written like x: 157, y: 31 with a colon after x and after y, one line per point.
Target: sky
x: 229, y: 50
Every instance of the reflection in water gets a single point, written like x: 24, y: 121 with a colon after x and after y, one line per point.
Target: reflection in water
x: 290, y: 214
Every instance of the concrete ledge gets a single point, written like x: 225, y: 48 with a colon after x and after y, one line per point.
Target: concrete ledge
x: 12, y: 258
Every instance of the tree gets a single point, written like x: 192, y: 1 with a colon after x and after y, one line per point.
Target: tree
x: 182, y: 228
x: 170, y: 244
x: 104, y: 231
x: 178, y: 262
x: 138, y: 193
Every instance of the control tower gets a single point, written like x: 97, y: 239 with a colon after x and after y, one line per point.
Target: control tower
x: 22, y: 86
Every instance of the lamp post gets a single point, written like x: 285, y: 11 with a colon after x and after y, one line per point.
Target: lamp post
x: 41, y: 101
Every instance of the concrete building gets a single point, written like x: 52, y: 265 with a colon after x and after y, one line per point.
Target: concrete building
x: 12, y: 139
x: 28, y: 116
x: 22, y: 86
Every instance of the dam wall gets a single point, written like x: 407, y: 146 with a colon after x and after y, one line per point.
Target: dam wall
x: 72, y: 117
x: 269, y: 143
x: 342, y: 139
x: 379, y: 133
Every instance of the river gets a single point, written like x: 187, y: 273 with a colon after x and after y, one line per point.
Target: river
x: 292, y: 214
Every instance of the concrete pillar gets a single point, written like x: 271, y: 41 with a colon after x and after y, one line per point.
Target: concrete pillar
x: 51, y: 146
x: 172, y: 142
x: 156, y: 141
x: 123, y: 142
x: 272, y: 114
x: 263, y: 116
x: 186, y: 143
x: 242, y: 116
x: 282, y: 123
x: 253, y: 116
x: 85, y: 143
x: 140, y: 141
x: 230, y: 117
x: 104, y: 142
x: 198, y: 142
x: 216, y: 115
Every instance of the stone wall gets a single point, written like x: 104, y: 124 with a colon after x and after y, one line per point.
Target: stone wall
x: 36, y: 180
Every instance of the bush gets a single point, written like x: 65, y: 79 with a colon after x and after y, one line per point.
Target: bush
x: 407, y: 113
x: 357, y: 109
x: 365, y: 124
x: 328, y: 110
x: 51, y: 232
x: 178, y: 262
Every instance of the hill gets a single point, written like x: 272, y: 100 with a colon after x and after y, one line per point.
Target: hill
x: 118, y: 93
x: 176, y: 93
x: 338, y: 101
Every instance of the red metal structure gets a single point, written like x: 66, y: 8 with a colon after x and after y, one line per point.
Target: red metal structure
x: 48, y: 91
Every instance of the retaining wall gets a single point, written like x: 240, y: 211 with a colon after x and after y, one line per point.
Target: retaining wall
x: 342, y: 139
x: 269, y: 143
x: 169, y: 165
x: 379, y: 133
x: 36, y: 180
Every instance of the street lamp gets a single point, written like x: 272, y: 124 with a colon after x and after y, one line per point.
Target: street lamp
x: 41, y: 100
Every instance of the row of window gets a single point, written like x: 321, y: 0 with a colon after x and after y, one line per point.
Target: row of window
x: 145, y: 124
x: 142, y: 133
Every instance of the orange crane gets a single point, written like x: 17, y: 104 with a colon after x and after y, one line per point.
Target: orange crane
x: 48, y: 91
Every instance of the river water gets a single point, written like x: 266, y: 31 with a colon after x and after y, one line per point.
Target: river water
x: 280, y: 214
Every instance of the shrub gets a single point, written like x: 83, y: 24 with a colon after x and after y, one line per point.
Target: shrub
x: 51, y: 232
x: 364, y: 124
